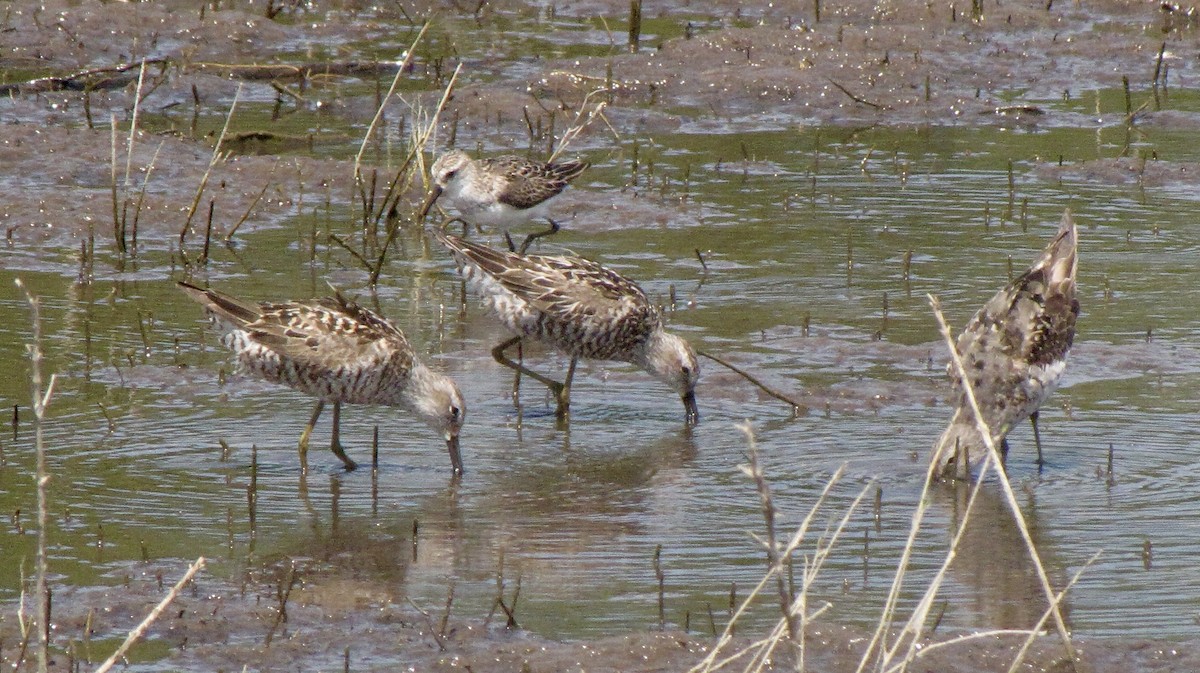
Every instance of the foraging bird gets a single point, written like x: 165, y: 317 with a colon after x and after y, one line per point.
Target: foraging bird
x: 336, y: 351
x: 581, y: 308
x: 502, y: 191
x: 1015, y: 350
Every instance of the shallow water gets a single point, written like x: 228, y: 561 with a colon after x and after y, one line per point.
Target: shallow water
x: 803, y: 233
x: 577, y: 514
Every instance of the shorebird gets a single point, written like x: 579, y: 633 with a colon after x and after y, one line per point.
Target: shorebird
x: 336, y: 351
x: 581, y: 308
x: 500, y: 192
x: 1015, y: 349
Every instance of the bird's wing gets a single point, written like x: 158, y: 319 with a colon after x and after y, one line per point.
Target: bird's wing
x: 570, y: 289
x: 531, y: 182
x: 1034, y: 316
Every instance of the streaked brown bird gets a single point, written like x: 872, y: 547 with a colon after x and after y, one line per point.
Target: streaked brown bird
x: 581, y: 308
x: 501, y: 191
x: 1015, y: 351
x: 336, y: 351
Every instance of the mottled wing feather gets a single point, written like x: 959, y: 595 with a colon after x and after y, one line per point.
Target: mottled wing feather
x: 329, y: 333
x: 1011, y: 345
x: 531, y: 182
x: 567, y: 289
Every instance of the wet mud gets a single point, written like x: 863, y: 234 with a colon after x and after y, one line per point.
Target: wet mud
x: 332, y: 612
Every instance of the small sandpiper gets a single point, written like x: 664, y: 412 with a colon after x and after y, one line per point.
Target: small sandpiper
x: 502, y: 191
x: 336, y: 351
x: 581, y: 308
x: 1015, y: 349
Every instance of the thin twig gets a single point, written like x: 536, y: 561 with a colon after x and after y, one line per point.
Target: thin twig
x: 246, y: 215
x: 774, y: 560
x: 580, y: 124
x: 1053, y: 607
x: 797, y: 407
x: 216, y: 156
x: 418, y: 146
x: 140, y: 629
x: 408, y: 56
x: 855, y: 98
x: 137, y: 99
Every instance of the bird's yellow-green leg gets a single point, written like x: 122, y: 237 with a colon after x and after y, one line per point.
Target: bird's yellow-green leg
x: 304, y: 436
x: 1037, y: 440
x: 554, y: 386
x: 335, y: 445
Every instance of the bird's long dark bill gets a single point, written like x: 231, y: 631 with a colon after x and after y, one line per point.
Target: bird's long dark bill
x: 692, y: 416
x: 434, y: 193
x: 455, y: 456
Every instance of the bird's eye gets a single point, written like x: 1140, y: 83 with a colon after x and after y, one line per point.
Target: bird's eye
x: 450, y: 174
x: 687, y: 371
x: 454, y: 412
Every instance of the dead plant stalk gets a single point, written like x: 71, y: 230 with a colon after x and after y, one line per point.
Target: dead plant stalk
x: 212, y: 162
x: 1010, y: 497
x: 40, y: 401
x: 140, y: 630
x: 787, y: 627
x: 404, y: 63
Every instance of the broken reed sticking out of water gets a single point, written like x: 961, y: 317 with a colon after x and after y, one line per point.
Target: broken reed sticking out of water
x: 40, y: 401
x: 217, y: 156
x: 140, y: 630
x: 797, y: 407
x: 888, y: 650
x: 124, y: 237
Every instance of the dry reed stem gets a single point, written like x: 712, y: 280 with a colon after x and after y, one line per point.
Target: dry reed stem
x: 421, y: 136
x: 216, y: 156
x: 408, y: 55
x: 967, y: 637
x: 419, y: 140
x: 774, y: 560
x: 799, y: 605
x: 118, y: 235
x: 137, y: 100
x: 137, y: 210
x: 760, y: 650
x: 140, y: 629
x: 580, y: 124
x: 1053, y: 607
x: 40, y: 402
x: 889, y: 607
x: 24, y: 624
x: 796, y: 406
x: 246, y: 215
x: 920, y: 613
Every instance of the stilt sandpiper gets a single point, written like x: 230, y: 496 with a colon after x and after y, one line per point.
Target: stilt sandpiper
x: 1015, y: 350
x: 336, y: 351
x: 502, y: 191
x: 581, y: 308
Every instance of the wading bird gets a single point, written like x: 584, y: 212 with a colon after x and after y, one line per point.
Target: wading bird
x: 581, y: 308
x: 336, y: 351
x: 500, y: 192
x: 1014, y: 350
